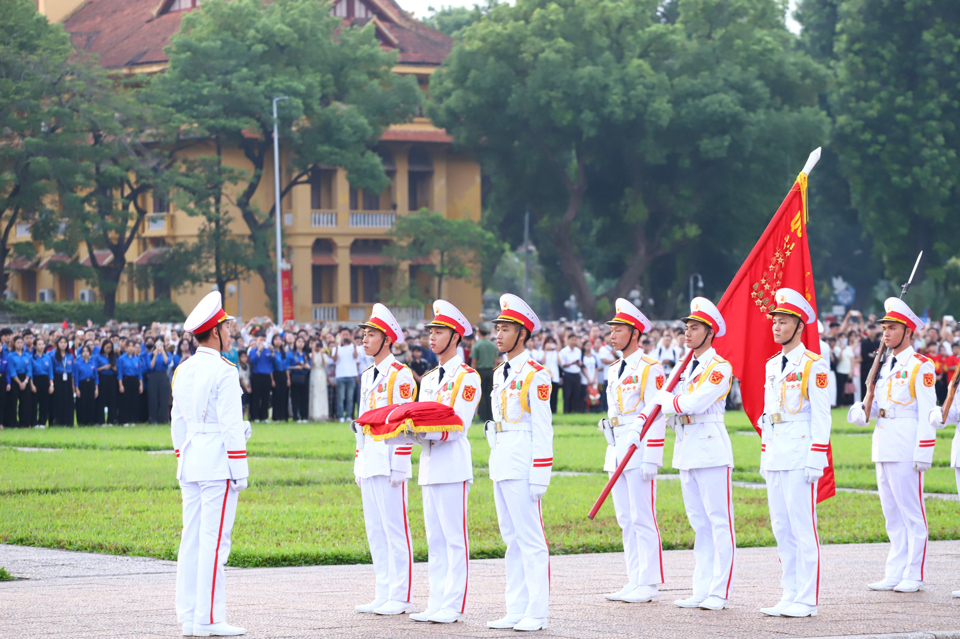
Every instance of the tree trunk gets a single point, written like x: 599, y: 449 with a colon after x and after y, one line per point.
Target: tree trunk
x: 109, y: 302
x: 440, y: 277
x: 571, y: 264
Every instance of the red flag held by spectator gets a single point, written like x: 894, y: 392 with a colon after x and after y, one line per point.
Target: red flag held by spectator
x: 780, y: 259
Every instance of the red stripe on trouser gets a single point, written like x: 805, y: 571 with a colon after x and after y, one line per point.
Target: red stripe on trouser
x: 216, y: 555
x: 733, y: 541
x: 406, y: 531
x: 653, y: 509
x: 816, y: 535
x: 923, y: 511
x: 549, y: 578
x: 466, y: 545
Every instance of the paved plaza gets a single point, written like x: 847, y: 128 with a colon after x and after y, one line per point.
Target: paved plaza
x: 68, y: 594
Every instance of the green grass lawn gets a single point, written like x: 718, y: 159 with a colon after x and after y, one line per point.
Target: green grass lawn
x: 114, y: 490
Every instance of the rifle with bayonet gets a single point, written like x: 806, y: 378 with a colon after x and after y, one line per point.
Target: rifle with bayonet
x: 882, y: 352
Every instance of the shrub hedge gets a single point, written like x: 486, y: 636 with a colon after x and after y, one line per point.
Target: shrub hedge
x: 142, y: 313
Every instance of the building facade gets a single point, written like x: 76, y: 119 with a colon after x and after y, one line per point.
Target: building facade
x: 333, y: 234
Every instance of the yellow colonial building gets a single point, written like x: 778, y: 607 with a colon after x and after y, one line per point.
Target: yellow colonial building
x: 333, y: 234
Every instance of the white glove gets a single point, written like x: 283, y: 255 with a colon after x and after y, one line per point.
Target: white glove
x: 633, y: 438
x: 237, y: 485
x: 811, y: 475
x: 857, y: 416
x: 356, y: 479
x: 763, y: 473
x: 648, y: 471
x: 247, y: 430
x: 664, y: 398
x: 921, y: 467
x: 537, y: 491
x: 936, y: 418
x: 397, y: 477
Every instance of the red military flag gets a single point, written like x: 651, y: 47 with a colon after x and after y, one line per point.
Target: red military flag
x: 781, y: 258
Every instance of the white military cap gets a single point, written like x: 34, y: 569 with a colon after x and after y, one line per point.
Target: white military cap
x: 703, y: 310
x: 790, y: 302
x: 630, y: 315
x: 207, y: 314
x: 383, y: 320
x: 513, y: 309
x: 447, y: 315
x: 898, y: 311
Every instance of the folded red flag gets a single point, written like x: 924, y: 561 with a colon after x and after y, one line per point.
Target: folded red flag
x: 414, y: 417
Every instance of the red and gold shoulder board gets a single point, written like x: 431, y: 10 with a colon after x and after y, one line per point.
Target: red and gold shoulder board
x: 649, y: 360
x: 398, y: 366
x: 813, y: 356
x: 922, y: 358
x: 536, y: 367
x: 468, y: 369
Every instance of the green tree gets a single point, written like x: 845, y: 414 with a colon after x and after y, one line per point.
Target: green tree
x: 451, y: 20
x: 230, y: 59
x: 634, y: 130
x: 458, y: 248
x: 896, y: 100
x: 39, y: 132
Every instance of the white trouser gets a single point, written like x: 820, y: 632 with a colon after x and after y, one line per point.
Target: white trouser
x: 901, y: 498
x: 708, y: 500
x: 528, y: 557
x: 445, y: 520
x: 388, y: 533
x: 635, y: 502
x: 209, y: 508
x: 793, y: 516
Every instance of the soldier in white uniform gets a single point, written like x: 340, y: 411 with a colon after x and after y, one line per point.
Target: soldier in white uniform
x: 903, y: 443
x: 210, y: 441
x: 936, y: 421
x: 795, y: 432
x: 632, y: 383
x: 446, y: 468
x: 382, y: 470
x: 521, y: 460
x: 703, y: 455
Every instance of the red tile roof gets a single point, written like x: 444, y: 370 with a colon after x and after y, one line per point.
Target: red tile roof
x: 125, y: 33
x: 104, y: 257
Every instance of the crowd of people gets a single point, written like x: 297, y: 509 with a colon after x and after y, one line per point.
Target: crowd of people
x: 119, y: 374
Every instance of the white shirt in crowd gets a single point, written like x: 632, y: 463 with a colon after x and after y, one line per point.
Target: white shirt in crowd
x: 604, y: 353
x: 348, y: 360
x: 569, y: 358
x: 588, y: 374
x: 551, y: 363
x: 844, y: 357
x: 668, y: 356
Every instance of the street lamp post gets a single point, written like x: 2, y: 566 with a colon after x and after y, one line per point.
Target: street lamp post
x: 276, y: 187
x: 699, y: 283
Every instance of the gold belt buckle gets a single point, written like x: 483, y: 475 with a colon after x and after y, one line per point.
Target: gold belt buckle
x: 615, y: 421
x: 499, y: 427
x: 776, y: 418
x: 883, y: 412
x: 685, y: 420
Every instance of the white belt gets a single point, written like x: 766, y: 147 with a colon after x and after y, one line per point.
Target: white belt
x: 898, y: 413
x: 686, y: 420
x: 778, y: 418
x: 203, y: 427
x: 502, y: 427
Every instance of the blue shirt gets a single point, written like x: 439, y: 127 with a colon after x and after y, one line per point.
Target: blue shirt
x: 86, y: 370
x: 21, y: 364
x: 280, y: 362
x: 42, y: 365
x: 295, y: 359
x: 159, y: 364
x: 59, y: 368
x: 177, y: 358
x: 103, y: 360
x: 261, y: 364
x: 3, y: 361
x: 129, y: 366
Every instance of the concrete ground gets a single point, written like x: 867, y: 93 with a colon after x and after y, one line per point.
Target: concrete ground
x: 68, y: 594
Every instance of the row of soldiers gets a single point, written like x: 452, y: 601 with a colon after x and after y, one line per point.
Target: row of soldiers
x: 210, y: 441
